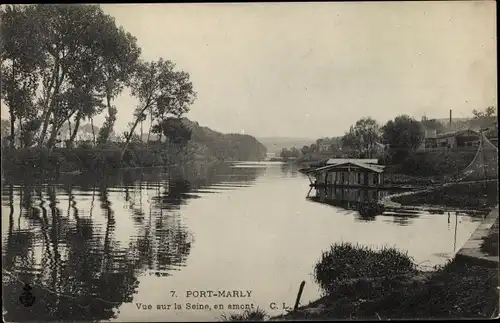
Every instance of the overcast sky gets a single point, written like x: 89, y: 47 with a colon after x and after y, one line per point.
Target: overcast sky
x: 311, y: 70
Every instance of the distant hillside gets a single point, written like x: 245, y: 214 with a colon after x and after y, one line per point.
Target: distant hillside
x: 276, y: 144
x: 230, y: 146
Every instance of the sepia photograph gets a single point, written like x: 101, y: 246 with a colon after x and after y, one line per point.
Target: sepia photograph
x: 219, y: 162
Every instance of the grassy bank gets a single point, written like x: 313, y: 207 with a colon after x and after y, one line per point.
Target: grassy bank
x: 106, y: 158
x: 84, y: 158
x: 464, y: 196
x: 361, y: 283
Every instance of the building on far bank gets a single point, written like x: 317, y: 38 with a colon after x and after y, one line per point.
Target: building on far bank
x: 430, y: 139
x: 458, y: 139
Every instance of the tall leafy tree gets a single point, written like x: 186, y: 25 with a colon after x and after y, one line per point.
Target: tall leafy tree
x: 120, y: 55
x: 484, y: 119
x: 403, y: 135
x: 76, y: 57
x: 161, y: 91
x: 350, y: 143
x: 22, y: 58
x: 367, y: 133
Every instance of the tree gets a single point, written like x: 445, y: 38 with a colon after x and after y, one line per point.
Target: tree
x: 484, y: 119
x: 351, y: 143
x: 22, y: 57
x: 117, y: 70
x: 63, y: 60
x: 161, y: 91
x: 403, y: 135
x: 174, y: 130
x: 367, y: 133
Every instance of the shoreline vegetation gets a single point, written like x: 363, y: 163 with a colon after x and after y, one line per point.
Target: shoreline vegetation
x: 204, y: 146
x: 363, y: 283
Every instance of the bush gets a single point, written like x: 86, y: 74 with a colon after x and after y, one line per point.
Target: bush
x: 437, y: 163
x: 346, y: 262
x: 248, y: 315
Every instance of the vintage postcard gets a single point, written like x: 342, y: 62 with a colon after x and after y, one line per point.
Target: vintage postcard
x: 249, y: 161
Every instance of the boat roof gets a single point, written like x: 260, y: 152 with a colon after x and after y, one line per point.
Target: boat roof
x: 371, y: 167
x: 333, y: 161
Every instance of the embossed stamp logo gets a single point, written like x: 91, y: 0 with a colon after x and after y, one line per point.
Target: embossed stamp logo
x: 27, y: 298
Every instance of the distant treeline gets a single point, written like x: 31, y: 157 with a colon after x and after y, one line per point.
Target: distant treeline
x: 395, y: 143
x: 199, y: 144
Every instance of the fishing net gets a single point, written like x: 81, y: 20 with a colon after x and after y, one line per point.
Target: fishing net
x: 484, y: 166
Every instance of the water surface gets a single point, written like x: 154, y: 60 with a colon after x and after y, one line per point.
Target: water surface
x: 93, y: 247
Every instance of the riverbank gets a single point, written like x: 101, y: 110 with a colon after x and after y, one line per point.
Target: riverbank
x: 78, y: 160
x: 359, y: 283
x: 394, y: 287
x: 85, y: 159
x: 453, y: 291
x: 482, y: 246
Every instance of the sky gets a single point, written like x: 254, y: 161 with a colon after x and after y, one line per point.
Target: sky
x: 312, y: 69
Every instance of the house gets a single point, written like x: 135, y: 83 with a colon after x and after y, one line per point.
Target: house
x: 458, y: 139
x: 430, y: 139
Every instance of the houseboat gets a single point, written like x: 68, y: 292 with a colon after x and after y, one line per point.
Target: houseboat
x: 350, y: 183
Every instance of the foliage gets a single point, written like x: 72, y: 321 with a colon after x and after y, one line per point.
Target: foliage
x: 345, y: 261
x: 22, y: 60
x: 205, y: 144
x: 229, y: 147
x: 403, y: 135
x: 256, y: 315
x: 437, y: 162
x: 486, y: 118
x: 174, y: 130
x: 5, y: 128
x: 456, y: 290
x: 60, y: 62
x: 292, y: 152
x: 161, y: 91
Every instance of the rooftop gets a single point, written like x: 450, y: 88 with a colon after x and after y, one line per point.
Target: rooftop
x: 335, y: 161
x: 352, y: 162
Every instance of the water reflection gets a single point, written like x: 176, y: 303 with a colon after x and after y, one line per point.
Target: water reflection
x: 74, y: 245
x: 289, y: 168
x: 93, y: 246
x: 362, y: 200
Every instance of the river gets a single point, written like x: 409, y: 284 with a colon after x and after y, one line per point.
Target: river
x: 99, y: 247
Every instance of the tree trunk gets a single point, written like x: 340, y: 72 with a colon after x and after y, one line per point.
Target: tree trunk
x: 55, y: 131
x: 93, y: 132
x: 127, y: 142
x: 142, y: 121
x: 110, y: 120
x: 11, y: 111
x: 12, y: 125
x: 46, y: 118
x: 69, y: 133
x: 52, y: 138
x: 75, y: 129
x: 20, y: 132
x: 150, y: 125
